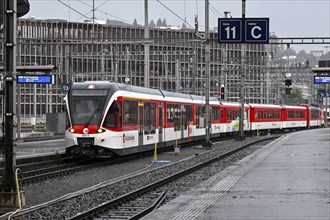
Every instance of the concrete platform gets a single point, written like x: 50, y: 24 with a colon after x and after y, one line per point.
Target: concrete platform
x: 287, y: 179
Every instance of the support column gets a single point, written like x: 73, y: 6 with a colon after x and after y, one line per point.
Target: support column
x: 243, y: 72
x: 8, y: 194
x: 208, y: 143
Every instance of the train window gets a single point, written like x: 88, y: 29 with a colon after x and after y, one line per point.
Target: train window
x: 189, y: 112
x: 228, y: 114
x: 126, y: 112
x: 177, y: 117
x: 277, y: 114
x: 302, y: 114
x: 149, y: 118
x: 200, y: 116
x: 259, y: 114
x: 215, y: 113
x: 265, y: 114
x: 153, y: 118
x: 235, y: 115
x: 112, y: 121
x: 297, y: 115
x: 169, y: 118
x: 170, y: 113
x: 134, y: 110
x: 87, y: 110
x: 183, y: 118
x: 314, y: 113
x: 119, y: 118
x: 130, y: 112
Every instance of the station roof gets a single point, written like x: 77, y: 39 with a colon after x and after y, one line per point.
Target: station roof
x: 321, y: 70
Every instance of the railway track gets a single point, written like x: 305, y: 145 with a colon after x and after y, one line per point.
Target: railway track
x: 34, y: 165
x: 118, y: 194
x: 39, y: 169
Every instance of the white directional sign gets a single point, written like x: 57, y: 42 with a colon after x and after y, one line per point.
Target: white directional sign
x: 243, y: 30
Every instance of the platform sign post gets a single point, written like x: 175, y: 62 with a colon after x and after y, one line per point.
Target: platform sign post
x: 244, y: 31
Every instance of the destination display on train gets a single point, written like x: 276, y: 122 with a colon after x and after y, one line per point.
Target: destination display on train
x: 322, y: 79
x: 35, y: 79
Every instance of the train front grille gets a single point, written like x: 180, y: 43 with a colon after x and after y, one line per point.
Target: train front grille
x: 85, y: 142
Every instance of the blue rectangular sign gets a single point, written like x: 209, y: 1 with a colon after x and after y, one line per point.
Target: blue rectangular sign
x: 321, y: 79
x: 243, y: 30
x: 230, y: 30
x: 34, y: 79
x: 256, y: 30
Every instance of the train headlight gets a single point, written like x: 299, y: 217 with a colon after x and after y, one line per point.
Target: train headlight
x: 100, y: 130
x: 71, y: 130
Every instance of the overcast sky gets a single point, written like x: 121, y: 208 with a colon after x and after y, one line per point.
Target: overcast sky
x: 288, y: 18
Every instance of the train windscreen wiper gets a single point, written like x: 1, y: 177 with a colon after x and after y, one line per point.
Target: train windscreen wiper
x: 91, y: 118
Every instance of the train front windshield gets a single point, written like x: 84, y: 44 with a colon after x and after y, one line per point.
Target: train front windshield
x: 86, y: 106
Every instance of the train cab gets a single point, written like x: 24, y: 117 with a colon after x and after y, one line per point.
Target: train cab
x: 108, y: 118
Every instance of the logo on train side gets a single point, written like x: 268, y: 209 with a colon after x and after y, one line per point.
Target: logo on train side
x: 217, y: 127
x: 129, y: 138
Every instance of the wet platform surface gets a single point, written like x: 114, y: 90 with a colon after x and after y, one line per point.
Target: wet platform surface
x: 286, y: 179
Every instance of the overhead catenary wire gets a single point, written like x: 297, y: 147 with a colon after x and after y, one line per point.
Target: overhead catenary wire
x: 175, y: 14
x: 214, y: 9
x: 72, y: 9
x: 106, y: 13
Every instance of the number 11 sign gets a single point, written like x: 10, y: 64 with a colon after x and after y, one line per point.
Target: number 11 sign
x: 230, y: 31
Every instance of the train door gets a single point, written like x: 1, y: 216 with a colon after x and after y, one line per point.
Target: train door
x: 246, y: 119
x: 189, y: 122
x: 160, y: 119
x: 184, y: 128
x: 140, y: 123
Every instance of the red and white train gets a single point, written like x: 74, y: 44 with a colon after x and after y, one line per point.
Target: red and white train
x: 105, y: 118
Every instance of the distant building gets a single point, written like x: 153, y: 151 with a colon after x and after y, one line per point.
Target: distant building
x: 95, y: 21
x: 316, y: 53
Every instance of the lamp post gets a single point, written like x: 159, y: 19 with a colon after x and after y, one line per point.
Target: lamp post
x: 243, y: 72
x: 34, y: 118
